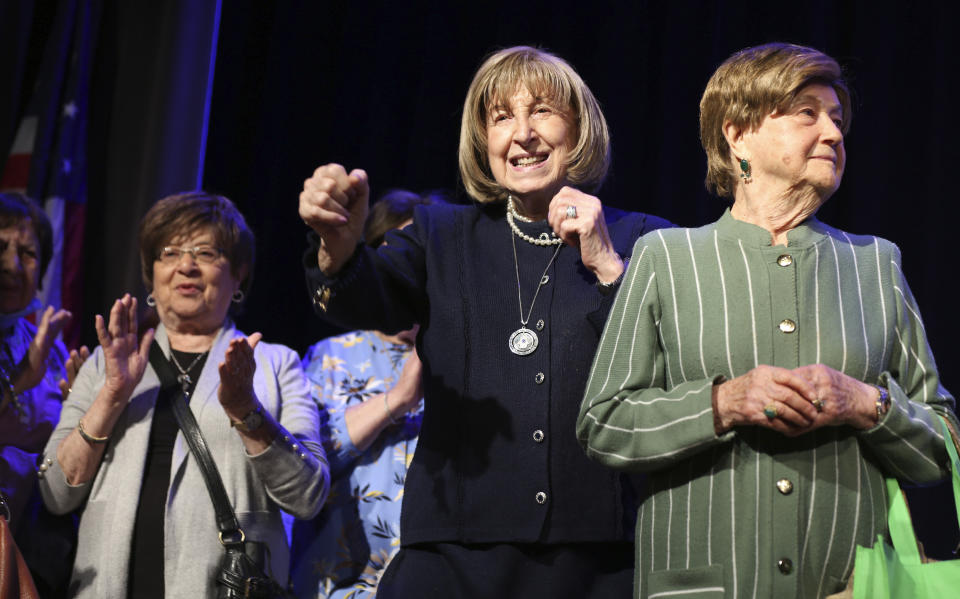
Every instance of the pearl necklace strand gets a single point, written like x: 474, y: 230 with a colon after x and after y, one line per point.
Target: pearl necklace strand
x: 544, y: 239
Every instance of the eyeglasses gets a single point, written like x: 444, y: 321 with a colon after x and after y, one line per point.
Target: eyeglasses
x: 202, y: 254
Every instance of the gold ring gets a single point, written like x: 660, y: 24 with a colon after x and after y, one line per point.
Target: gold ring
x: 818, y: 404
x: 770, y: 411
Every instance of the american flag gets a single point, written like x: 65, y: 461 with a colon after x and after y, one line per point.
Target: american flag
x: 48, y: 157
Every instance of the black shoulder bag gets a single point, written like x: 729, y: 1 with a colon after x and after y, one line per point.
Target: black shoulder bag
x: 240, y: 575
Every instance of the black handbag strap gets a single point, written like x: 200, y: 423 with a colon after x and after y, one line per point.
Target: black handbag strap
x: 230, y: 532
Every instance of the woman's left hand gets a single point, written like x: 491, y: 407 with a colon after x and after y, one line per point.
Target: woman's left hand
x: 236, y: 377
x: 843, y: 399
x: 586, y: 231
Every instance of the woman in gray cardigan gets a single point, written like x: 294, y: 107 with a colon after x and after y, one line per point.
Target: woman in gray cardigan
x: 148, y: 527
x: 767, y: 370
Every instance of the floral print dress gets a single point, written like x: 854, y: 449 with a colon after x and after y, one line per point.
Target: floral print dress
x: 344, y: 550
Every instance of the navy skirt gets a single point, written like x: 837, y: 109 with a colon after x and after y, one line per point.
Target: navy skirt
x: 574, y: 571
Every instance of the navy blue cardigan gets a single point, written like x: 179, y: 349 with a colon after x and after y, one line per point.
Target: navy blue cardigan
x: 497, y: 459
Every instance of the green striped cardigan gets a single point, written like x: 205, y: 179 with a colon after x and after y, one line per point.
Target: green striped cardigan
x: 698, y: 304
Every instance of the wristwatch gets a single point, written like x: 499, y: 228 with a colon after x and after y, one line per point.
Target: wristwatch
x: 251, y: 422
x: 608, y: 288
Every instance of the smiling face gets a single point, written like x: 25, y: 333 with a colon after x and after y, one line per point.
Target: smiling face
x: 528, y: 142
x: 19, y: 266
x: 193, y: 297
x: 802, y: 147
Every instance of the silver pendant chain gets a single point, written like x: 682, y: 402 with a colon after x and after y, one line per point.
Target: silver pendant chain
x: 544, y: 239
x: 523, y: 341
x: 184, y: 377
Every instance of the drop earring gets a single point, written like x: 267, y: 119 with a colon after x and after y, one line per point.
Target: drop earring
x: 745, y: 171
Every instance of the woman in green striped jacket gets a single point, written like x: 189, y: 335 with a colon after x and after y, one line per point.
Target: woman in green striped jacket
x: 767, y: 370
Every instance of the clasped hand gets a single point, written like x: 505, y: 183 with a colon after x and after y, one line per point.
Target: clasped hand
x: 803, y: 399
x: 335, y: 204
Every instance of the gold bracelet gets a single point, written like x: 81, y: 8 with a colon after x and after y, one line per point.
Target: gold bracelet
x: 88, y: 437
x: 882, y: 403
x: 386, y: 407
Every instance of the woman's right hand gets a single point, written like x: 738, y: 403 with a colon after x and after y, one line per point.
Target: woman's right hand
x: 334, y: 204
x: 72, y: 367
x: 124, y: 365
x: 409, y: 388
x: 741, y: 401
x: 124, y: 359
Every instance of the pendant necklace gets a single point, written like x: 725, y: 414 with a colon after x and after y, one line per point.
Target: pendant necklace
x: 184, y: 377
x: 523, y: 341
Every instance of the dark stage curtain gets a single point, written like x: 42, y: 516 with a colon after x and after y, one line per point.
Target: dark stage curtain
x: 380, y: 85
x: 18, y: 28
x: 148, y: 105
x: 149, y: 101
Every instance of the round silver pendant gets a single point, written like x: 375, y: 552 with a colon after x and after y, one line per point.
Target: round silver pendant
x: 523, y: 341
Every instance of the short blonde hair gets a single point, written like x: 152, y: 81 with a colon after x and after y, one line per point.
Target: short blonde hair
x: 753, y: 84
x: 546, y: 75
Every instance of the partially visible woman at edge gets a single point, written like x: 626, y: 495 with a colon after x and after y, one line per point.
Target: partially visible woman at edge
x: 33, y: 364
x: 367, y: 385
x: 511, y: 294
x: 767, y: 370
x: 148, y: 527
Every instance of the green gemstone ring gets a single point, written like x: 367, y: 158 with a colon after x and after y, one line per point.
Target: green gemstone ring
x: 770, y: 411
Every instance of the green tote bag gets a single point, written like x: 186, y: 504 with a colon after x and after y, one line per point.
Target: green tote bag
x: 897, y: 572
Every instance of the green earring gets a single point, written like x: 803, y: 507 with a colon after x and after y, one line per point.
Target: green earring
x: 746, y: 172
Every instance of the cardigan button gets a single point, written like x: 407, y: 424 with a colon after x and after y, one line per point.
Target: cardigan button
x: 541, y: 497
x: 785, y: 565
x: 540, y: 324
x: 303, y: 456
x: 538, y: 436
x: 785, y: 260
x: 785, y: 486
x: 787, y: 326
x: 539, y: 378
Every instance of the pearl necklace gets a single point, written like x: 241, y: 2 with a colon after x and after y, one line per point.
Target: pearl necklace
x: 545, y: 239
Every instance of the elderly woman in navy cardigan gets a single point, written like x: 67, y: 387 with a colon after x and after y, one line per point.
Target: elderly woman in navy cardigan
x: 511, y: 294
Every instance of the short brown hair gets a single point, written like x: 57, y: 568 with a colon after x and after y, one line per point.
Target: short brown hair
x: 14, y: 209
x: 543, y: 74
x: 185, y: 213
x: 392, y: 210
x: 753, y: 84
